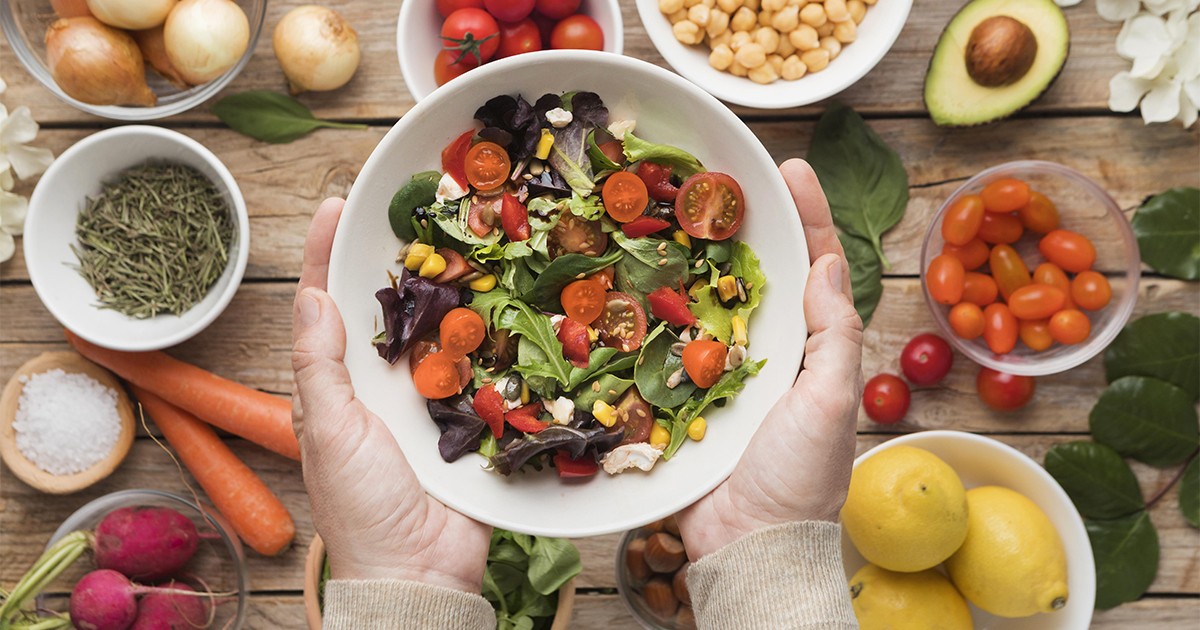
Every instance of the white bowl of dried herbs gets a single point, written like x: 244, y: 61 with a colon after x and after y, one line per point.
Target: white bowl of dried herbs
x: 137, y: 238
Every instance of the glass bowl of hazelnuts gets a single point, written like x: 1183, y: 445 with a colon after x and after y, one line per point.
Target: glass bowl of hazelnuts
x: 652, y: 576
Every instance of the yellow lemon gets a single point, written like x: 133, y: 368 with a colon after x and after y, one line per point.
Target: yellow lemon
x: 906, y: 510
x: 926, y: 600
x: 1013, y: 563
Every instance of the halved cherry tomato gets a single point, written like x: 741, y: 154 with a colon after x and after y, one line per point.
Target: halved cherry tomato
x: 1070, y: 327
x: 999, y: 328
x: 454, y: 156
x: 945, y: 278
x: 635, y: 416
x: 962, y: 220
x: 1000, y: 228
x: 487, y: 165
x: 625, y: 196
x: 574, y: 339
x: 437, y: 377
x: 622, y: 324
x: 456, y: 265
x: 461, y: 332
x: 489, y: 404
x: 568, y: 468
x: 710, y: 205
x: 518, y: 38
x: 445, y: 68
x: 657, y: 178
x: 1003, y: 392
x: 484, y: 213
x: 525, y: 419
x: 1039, y: 215
x: 514, y: 217
x: 1036, y: 301
x: 644, y: 225
x: 1091, y: 290
x: 1073, y: 252
x: 573, y: 235
x: 426, y: 347
x: 704, y: 360
x: 583, y: 300
x: 1008, y: 270
x: 886, y: 399
x: 967, y: 320
x: 1035, y: 333
x: 471, y: 33
x: 1053, y: 275
x: 926, y: 360
x: 670, y: 307
x: 1005, y: 195
x: 979, y: 289
x: 972, y: 255
x: 605, y: 277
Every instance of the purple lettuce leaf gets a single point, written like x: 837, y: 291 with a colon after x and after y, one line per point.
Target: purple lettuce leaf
x: 411, y: 311
x: 574, y: 440
x: 459, y: 424
x: 587, y: 108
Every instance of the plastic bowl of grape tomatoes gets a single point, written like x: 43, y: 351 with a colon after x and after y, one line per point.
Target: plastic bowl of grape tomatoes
x: 438, y: 40
x: 1030, y: 268
x: 572, y: 289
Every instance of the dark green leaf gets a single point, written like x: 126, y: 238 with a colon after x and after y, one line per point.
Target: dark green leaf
x: 1163, y: 345
x: 656, y: 364
x: 1168, y: 232
x: 1126, y: 553
x: 608, y: 383
x: 866, y: 275
x: 554, y: 562
x: 1099, y: 482
x: 862, y: 177
x: 639, y: 273
x: 1147, y: 419
x: 414, y: 194
x: 563, y: 271
x: 1189, y: 493
x: 507, y: 552
x: 270, y: 116
x: 507, y: 577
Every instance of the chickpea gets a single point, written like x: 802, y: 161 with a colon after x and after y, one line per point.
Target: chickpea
x: 832, y: 45
x: 825, y: 30
x: 709, y: 3
x: 813, y: 15
x: 836, y: 10
x: 718, y: 22
x: 764, y: 74
x: 740, y: 39
x: 797, y: 3
x: 751, y: 55
x: 773, y: 5
x: 785, y: 48
x: 792, y: 68
x: 870, y: 3
x: 775, y: 61
x: 721, y: 57
x: 687, y: 4
x: 786, y: 20
x: 731, y: 6
x: 753, y: 5
x: 687, y: 32
x: 845, y: 32
x: 815, y: 60
x: 670, y: 6
x: 737, y: 69
x: 765, y: 17
x: 743, y: 20
x: 699, y: 14
x: 804, y: 38
x: 677, y: 16
x: 723, y: 38
x: 768, y: 38
x: 857, y: 9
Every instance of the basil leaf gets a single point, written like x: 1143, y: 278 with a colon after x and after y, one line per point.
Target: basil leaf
x: 1147, y: 419
x: 563, y: 271
x: 1189, y: 493
x: 553, y: 562
x: 1126, y: 552
x: 1167, y: 227
x: 637, y: 150
x: 415, y: 194
x: 866, y: 275
x: 1099, y: 482
x: 1163, y: 345
x: 270, y: 116
x: 655, y: 365
x: 862, y: 177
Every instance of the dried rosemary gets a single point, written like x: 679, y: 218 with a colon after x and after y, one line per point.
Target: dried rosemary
x: 155, y: 240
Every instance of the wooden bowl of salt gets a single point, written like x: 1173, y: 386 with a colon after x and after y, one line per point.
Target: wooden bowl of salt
x: 69, y: 401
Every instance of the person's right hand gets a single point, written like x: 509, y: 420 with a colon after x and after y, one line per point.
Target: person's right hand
x: 797, y: 466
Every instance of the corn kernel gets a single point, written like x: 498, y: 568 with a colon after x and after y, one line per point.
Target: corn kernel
x: 433, y: 266
x: 483, y: 283
x: 739, y: 331
x: 605, y: 413
x: 659, y: 436
x: 727, y: 288
x: 682, y: 238
x: 417, y: 254
x: 696, y: 286
x: 593, y: 336
x: 524, y: 393
x: 697, y: 428
x: 544, y: 144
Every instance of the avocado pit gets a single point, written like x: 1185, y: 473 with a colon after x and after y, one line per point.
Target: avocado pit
x: 1000, y: 51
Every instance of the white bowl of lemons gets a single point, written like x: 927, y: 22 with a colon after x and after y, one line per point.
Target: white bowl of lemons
x: 975, y: 533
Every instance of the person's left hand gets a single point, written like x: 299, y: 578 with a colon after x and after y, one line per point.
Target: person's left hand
x: 370, y: 510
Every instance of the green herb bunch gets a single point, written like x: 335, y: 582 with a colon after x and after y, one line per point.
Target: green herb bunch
x: 523, y: 576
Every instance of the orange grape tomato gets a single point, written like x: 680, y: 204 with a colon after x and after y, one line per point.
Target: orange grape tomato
x: 583, y: 300
x: 979, y: 289
x: 1036, y: 301
x: 945, y: 279
x: 1039, y: 215
x: 973, y: 255
x: 487, y: 165
x: 461, y: 332
x: 625, y: 196
x: 1008, y: 270
x: 1005, y: 195
x: 962, y: 220
x: 1035, y: 333
x: 1073, y: 252
x: 1090, y: 290
x: 704, y: 361
x: 437, y: 376
x: 1000, y: 228
x: 999, y: 328
x: 1053, y: 275
x: 1070, y: 326
x: 967, y: 320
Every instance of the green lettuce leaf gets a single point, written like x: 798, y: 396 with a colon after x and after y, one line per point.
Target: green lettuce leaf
x: 716, y: 319
x: 744, y: 264
x: 589, y: 207
x: 685, y: 163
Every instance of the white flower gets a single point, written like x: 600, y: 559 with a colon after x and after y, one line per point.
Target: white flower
x: 1117, y: 10
x: 1165, y: 77
x: 15, y: 130
x: 1145, y: 40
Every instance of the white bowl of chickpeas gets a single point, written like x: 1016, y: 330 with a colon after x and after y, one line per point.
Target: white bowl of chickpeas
x: 773, y: 54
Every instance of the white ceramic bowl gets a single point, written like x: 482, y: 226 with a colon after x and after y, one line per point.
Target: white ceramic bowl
x: 418, y: 38
x: 876, y: 34
x: 982, y: 461
x: 667, y: 109
x: 50, y: 231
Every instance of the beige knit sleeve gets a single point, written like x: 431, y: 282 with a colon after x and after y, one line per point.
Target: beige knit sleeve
x: 785, y: 577
x: 403, y: 605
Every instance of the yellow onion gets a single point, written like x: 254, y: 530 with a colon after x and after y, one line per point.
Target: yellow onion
x: 134, y: 15
x: 154, y: 51
x: 317, y: 49
x: 70, y: 8
x: 96, y: 63
x: 204, y: 38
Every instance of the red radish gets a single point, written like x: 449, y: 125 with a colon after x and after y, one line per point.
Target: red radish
x: 171, y: 611
x: 104, y: 600
x: 145, y: 543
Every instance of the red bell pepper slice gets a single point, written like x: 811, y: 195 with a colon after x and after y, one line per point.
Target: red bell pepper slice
x: 454, y: 158
x: 525, y: 419
x: 643, y: 225
x: 671, y: 307
x: 514, y: 217
x: 568, y: 468
x: 657, y: 178
x: 489, y: 404
x: 575, y: 342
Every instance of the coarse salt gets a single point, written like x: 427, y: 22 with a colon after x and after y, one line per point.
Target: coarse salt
x: 65, y: 423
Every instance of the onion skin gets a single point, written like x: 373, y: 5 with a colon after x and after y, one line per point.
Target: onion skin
x: 204, y: 38
x: 96, y: 63
x: 71, y: 8
x: 317, y: 49
x: 154, y: 52
x: 134, y: 15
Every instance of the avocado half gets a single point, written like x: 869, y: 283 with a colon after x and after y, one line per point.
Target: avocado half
x: 994, y: 58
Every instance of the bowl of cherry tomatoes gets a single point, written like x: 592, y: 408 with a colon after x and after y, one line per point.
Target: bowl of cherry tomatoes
x: 1030, y: 268
x: 438, y: 40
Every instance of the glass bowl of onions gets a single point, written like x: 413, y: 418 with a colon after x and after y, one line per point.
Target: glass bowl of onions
x: 133, y: 59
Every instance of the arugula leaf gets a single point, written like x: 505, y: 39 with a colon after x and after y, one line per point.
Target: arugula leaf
x: 598, y: 363
x: 1147, y: 419
x: 637, y: 150
x: 507, y: 251
x: 715, y: 319
x: 730, y: 384
x: 640, y: 273
x: 504, y: 312
x: 744, y: 264
x: 552, y: 563
x: 532, y: 363
x: 563, y: 271
x: 1126, y: 552
x: 655, y: 365
x: 1167, y: 227
x: 1099, y: 482
x: 866, y: 275
x: 271, y: 116
x: 1163, y: 345
x: 515, y: 275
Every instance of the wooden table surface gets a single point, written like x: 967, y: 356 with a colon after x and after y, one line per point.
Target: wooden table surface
x: 250, y: 342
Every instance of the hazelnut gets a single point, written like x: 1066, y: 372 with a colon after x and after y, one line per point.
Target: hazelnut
x: 656, y: 526
x: 1000, y: 51
x: 635, y: 560
x: 664, y: 553
x: 679, y: 584
x: 686, y: 618
x: 671, y: 525
x: 660, y: 598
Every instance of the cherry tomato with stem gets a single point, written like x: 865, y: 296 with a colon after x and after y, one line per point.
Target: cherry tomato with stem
x: 514, y: 218
x: 1073, y: 252
x: 1004, y: 392
x: 670, y: 307
x: 577, y: 32
x: 886, y: 399
x: 625, y: 196
x: 710, y: 205
x: 962, y: 220
x: 557, y: 9
x: 461, y: 332
x: 926, y: 360
x: 1053, y: 275
x: 1005, y: 195
x: 446, y: 7
x: 1036, y: 301
x: 437, y: 377
x: 622, y: 324
x: 973, y: 255
x: 1000, y: 228
x: 509, y: 10
x: 1000, y: 328
x: 472, y: 34
x: 574, y: 235
x: 704, y: 360
x: 979, y: 289
x: 446, y: 68
x: 1090, y: 290
x: 487, y: 165
x: 1008, y: 270
x: 1039, y: 215
x: 945, y: 279
x: 1070, y: 327
x: 583, y: 300
x: 1035, y: 333
x: 518, y: 37
x: 657, y: 178
x: 967, y: 320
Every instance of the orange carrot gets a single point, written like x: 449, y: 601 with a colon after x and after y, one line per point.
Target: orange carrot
x: 255, y: 513
x: 257, y: 416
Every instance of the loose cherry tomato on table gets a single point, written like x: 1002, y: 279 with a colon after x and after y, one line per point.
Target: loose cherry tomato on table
x: 973, y: 255
x: 1008, y: 270
x: 962, y: 220
x: 471, y: 33
x: 446, y: 7
x: 568, y: 468
x: 657, y: 178
x: 1035, y: 333
x: 1073, y: 252
x: 509, y: 10
x: 670, y: 307
x: 1090, y: 290
x: 583, y: 300
x: 945, y: 279
x: 625, y: 196
x: 886, y: 399
x: 999, y: 328
x: 1003, y: 392
x: 967, y: 320
x: 557, y: 9
x: 710, y: 205
x: 454, y: 156
x: 437, y: 377
x: 622, y: 324
x: 1000, y: 228
x: 1070, y: 327
x: 487, y: 165
x: 1005, y: 195
x: 979, y: 289
x: 644, y: 225
x: 514, y: 217
x: 484, y: 213
x: 489, y: 404
x: 525, y: 419
x: 573, y: 235
x: 1036, y: 301
x: 574, y: 339
x: 1053, y: 275
x: 577, y: 32
x: 926, y: 360
x: 461, y: 332
x: 518, y: 37
x: 1039, y: 215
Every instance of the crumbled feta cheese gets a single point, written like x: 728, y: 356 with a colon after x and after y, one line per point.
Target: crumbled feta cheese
x: 618, y: 128
x: 509, y: 405
x: 639, y: 455
x: 558, y: 117
x: 563, y: 409
x: 556, y: 321
x: 448, y: 189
